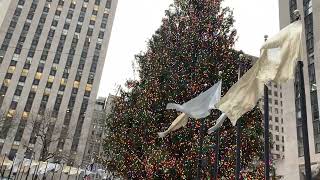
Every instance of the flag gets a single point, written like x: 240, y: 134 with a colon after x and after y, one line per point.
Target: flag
x: 198, y: 107
x: 179, y: 122
x: 218, y: 124
x: 278, y: 58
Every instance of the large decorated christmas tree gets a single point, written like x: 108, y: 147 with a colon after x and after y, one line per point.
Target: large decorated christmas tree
x: 192, y: 50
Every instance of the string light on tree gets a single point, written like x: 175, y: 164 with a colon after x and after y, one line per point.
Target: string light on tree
x: 171, y: 71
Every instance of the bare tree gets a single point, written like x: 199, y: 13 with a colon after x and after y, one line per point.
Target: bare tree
x: 6, y: 122
x: 42, y: 132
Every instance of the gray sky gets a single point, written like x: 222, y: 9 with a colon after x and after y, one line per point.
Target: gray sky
x: 136, y: 21
x: 4, y: 4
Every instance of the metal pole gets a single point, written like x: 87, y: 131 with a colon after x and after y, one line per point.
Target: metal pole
x: 85, y: 172
x: 69, y: 172
x: 238, y: 153
x: 77, y: 176
x: 200, y: 149
x: 4, y: 158
x: 266, y: 131
x: 266, y: 134
x: 35, y: 173
x: 18, y: 170
x: 307, y: 164
x: 54, y: 170
x: 216, y: 164
x: 238, y: 135
x: 11, y: 168
x: 22, y: 173
x: 29, y: 169
x: 45, y: 170
x: 61, y: 171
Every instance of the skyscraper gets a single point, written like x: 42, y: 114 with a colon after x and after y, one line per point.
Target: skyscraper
x: 310, y: 15
x: 51, y: 59
x: 94, y: 149
x: 276, y: 124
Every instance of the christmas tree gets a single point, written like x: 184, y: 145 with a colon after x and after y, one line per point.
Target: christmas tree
x: 191, y: 51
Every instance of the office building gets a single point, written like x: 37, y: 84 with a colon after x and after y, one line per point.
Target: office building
x: 94, y: 152
x: 294, y: 161
x: 51, y: 57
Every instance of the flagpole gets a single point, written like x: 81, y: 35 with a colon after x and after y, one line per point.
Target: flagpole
x: 200, y: 148
x: 54, y: 170
x: 61, y: 170
x: 22, y: 173
x: 69, y: 172
x: 307, y: 164
x: 4, y: 158
x: 35, y: 173
x: 16, y: 176
x: 45, y: 170
x: 304, y: 120
x: 11, y: 167
x: 27, y: 175
x: 266, y: 130
x: 77, y: 173
x: 238, y: 135
x: 216, y: 163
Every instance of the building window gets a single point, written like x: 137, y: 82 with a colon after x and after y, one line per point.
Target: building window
x: 22, y: 79
x: 49, y: 85
x: 70, y: 14
x: 101, y: 34
x: 61, y: 2
x: 94, y: 12
x: 13, y: 105
x: 108, y: 4
x: 73, y: 5
x: 90, y: 31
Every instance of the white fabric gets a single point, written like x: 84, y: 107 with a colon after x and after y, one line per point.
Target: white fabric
x: 66, y: 169
x: 74, y: 171
x: 315, y: 169
x: 179, y: 122
x: 277, y: 63
x: 218, y: 124
x: 200, y: 106
x: 42, y: 168
x: 53, y: 167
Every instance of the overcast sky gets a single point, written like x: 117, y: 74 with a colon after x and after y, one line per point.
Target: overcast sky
x: 4, y: 4
x: 135, y: 22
